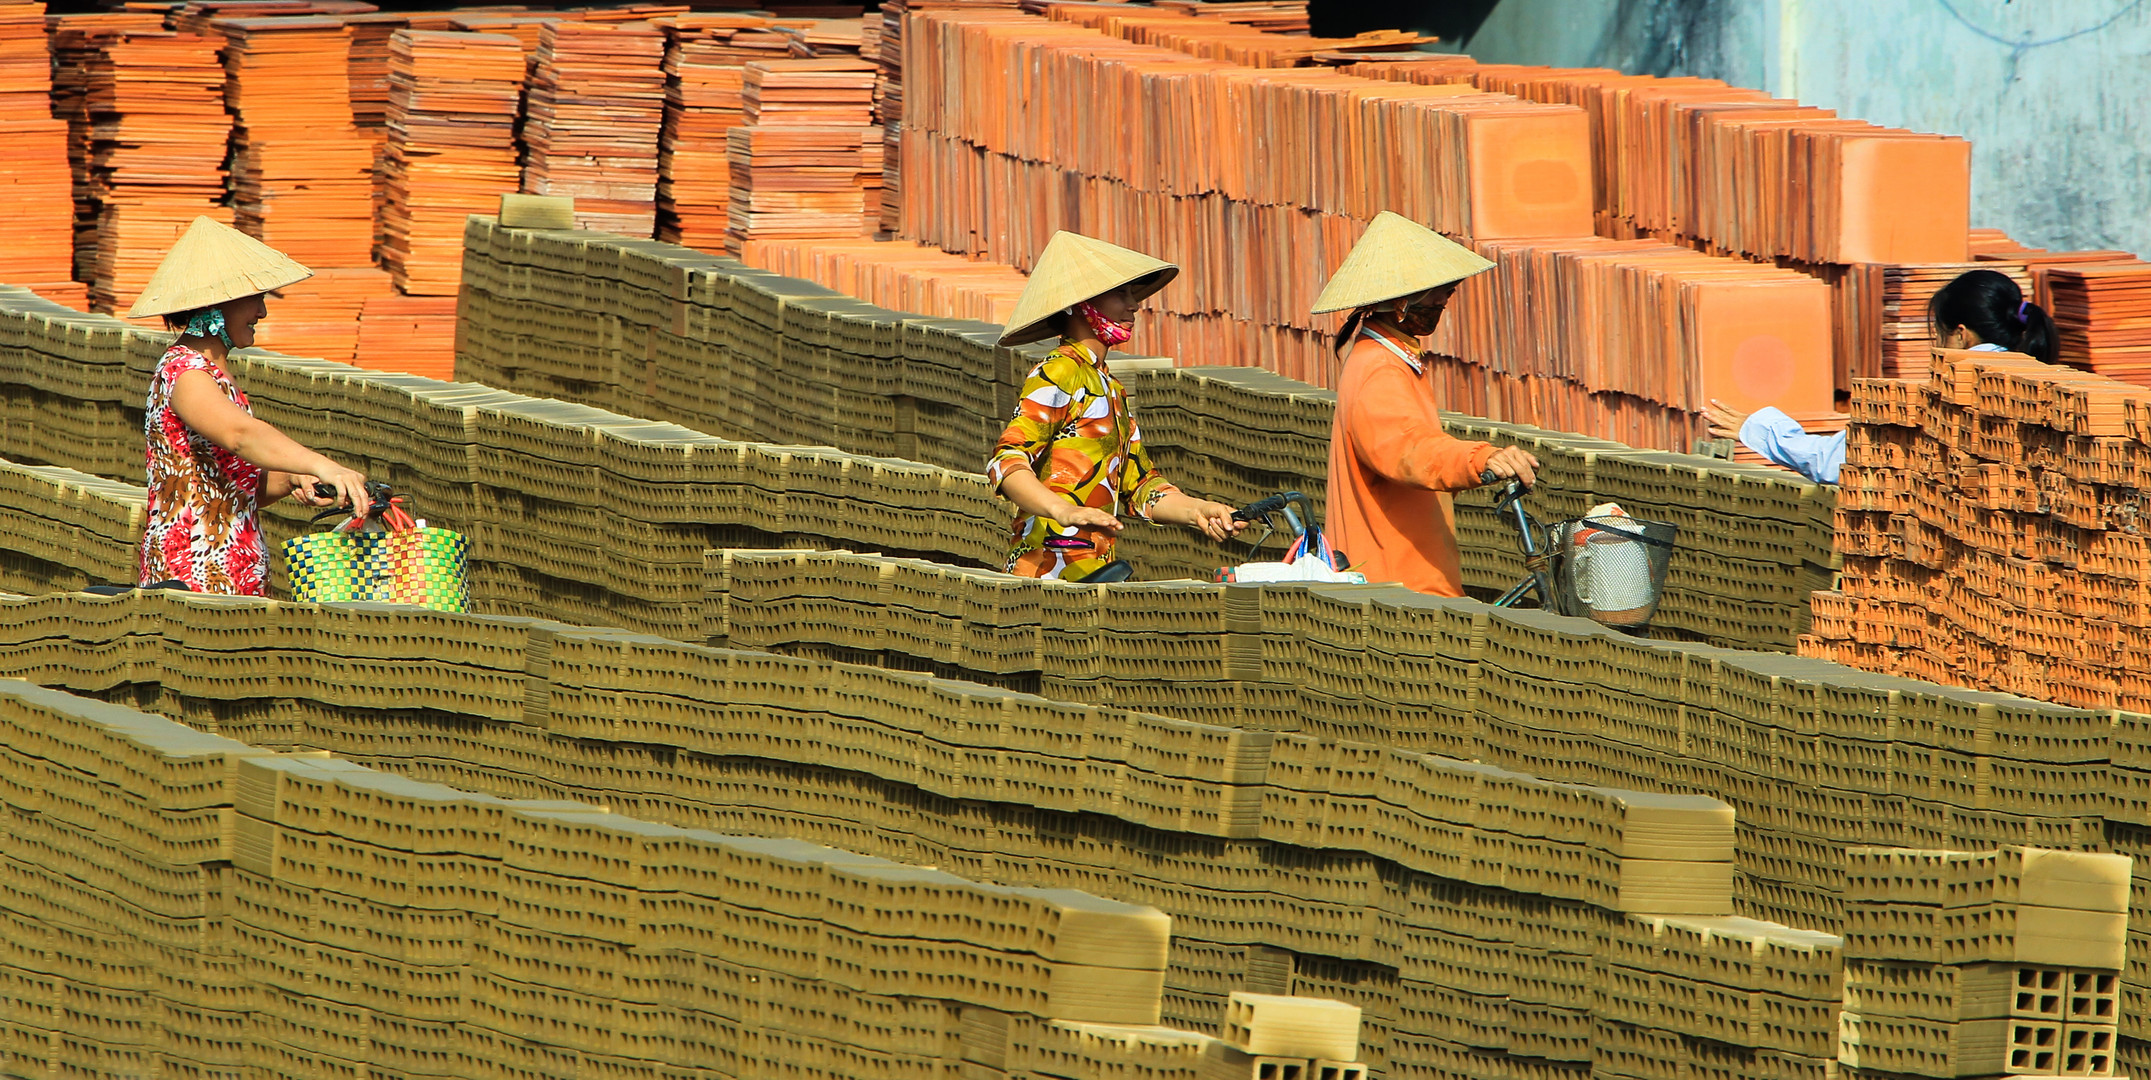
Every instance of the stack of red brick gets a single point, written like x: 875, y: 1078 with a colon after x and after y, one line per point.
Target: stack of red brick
x: 1992, y: 522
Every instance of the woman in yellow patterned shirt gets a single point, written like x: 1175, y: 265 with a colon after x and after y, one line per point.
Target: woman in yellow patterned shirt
x: 1072, y: 457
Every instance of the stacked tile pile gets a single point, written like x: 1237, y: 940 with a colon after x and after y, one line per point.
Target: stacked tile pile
x: 1275, y: 16
x: 2015, y: 968
x: 301, y: 171
x: 159, y: 133
x: 369, y: 69
x: 66, y: 529
x: 194, y: 903
x: 75, y: 41
x: 34, y: 169
x: 885, y: 47
x: 320, y: 316
x: 1742, y: 171
x: 590, y: 122
x: 450, y: 152
x: 1633, y: 339
x: 2099, y: 313
x: 1232, y: 180
x: 1990, y: 521
x: 1575, y: 863
x: 302, y: 176
x: 705, y: 81
x: 898, y: 275
x: 807, y: 162
x: 1235, y: 37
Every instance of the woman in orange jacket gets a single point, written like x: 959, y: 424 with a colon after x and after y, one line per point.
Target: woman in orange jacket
x: 1391, y: 464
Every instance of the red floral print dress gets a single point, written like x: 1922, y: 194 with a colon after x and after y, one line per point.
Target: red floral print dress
x: 204, y: 502
x: 1074, y: 429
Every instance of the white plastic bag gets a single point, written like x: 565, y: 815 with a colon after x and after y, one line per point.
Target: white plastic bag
x: 1304, y: 568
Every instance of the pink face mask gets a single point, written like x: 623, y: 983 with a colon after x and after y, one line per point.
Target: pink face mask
x: 1109, y: 333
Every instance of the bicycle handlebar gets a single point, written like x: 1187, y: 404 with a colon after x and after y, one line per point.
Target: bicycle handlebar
x: 1262, y: 508
x: 377, y: 489
x: 378, y: 492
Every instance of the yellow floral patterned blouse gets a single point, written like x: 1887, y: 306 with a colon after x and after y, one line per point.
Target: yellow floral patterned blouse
x: 1074, y: 429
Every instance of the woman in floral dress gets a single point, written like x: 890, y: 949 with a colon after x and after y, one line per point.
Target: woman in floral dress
x: 211, y: 463
x: 1072, y: 457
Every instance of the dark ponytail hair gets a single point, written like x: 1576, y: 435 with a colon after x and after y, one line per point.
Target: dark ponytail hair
x: 1351, y: 326
x: 1991, y: 305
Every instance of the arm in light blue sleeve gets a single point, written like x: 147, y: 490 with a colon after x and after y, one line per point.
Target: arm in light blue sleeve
x: 1781, y: 439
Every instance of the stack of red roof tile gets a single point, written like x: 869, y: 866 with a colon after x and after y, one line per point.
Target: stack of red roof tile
x: 197, y: 16
x: 159, y: 134
x: 706, y: 58
x: 369, y: 69
x: 832, y: 92
x: 1255, y: 181
x: 527, y: 28
x: 1648, y: 320
x: 320, y: 316
x: 302, y: 171
x: 76, y: 39
x: 34, y: 175
x: 800, y: 182
x: 1196, y: 30
x: 2102, y: 312
x: 1746, y: 172
x: 451, y: 149
x: 886, y: 49
x: 591, y: 122
x: 897, y: 275
x: 810, y: 38
x: 1271, y: 16
x: 808, y: 163
x: 411, y: 334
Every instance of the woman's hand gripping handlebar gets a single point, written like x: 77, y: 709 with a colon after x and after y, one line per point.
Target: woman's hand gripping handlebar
x: 1510, y: 463
x: 377, y: 492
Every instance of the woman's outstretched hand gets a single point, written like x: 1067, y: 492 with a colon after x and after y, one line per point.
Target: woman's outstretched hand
x: 1723, y: 420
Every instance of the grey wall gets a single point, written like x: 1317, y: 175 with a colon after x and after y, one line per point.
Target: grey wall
x: 2054, y: 94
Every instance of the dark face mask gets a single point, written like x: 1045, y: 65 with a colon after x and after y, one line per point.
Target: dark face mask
x: 1419, y: 319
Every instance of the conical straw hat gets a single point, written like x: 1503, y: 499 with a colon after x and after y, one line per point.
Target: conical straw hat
x: 1072, y: 269
x: 210, y: 264
x: 1397, y: 257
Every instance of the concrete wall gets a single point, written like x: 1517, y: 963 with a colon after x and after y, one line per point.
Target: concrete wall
x: 2054, y: 94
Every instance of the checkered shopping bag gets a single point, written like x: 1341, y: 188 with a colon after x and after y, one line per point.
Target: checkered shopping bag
x: 382, y: 556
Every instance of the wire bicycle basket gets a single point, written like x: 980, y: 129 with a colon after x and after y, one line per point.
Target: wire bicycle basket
x: 1610, y: 569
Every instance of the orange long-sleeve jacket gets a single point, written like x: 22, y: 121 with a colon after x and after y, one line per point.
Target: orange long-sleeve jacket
x: 1391, y: 469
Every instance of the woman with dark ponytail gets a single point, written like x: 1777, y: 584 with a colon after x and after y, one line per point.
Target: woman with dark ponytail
x: 1985, y: 310
x: 1980, y: 311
